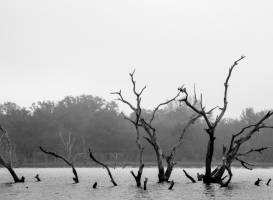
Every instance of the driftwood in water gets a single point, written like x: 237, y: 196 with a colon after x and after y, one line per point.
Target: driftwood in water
x: 257, y: 183
x: 76, y: 179
x: 145, y: 183
x: 171, y: 185
x: 268, y: 182
x: 8, y: 149
x: 189, y: 176
x: 95, y: 185
x: 103, y: 165
x: 37, y: 178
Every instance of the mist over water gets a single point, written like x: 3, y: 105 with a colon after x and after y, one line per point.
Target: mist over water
x: 57, y: 184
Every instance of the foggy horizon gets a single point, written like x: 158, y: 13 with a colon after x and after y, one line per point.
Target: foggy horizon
x: 52, y: 49
x: 99, y: 86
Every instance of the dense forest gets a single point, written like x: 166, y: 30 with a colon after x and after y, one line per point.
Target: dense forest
x: 89, y: 121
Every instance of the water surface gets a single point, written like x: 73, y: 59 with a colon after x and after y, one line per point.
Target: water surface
x: 57, y: 184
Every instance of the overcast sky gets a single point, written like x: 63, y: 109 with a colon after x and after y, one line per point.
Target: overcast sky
x: 53, y: 48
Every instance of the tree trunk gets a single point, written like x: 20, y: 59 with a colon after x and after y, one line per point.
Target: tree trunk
x: 159, y: 157
x: 141, y: 164
x: 138, y: 176
x: 210, y: 150
x: 170, y: 165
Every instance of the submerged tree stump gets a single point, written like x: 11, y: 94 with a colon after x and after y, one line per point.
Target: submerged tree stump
x: 200, y: 177
x: 145, y: 183
x: 268, y: 182
x: 257, y: 183
x: 171, y: 186
x: 37, y: 178
x: 95, y: 185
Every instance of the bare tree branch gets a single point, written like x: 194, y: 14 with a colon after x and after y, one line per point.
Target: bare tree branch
x: 104, y: 165
x: 123, y: 100
x: 223, y: 109
x: 162, y: 104
x: 189, y: 176
x: 193, y: 107
x: 76, y: 179
x: 245, y: 164
x: 259, y: 150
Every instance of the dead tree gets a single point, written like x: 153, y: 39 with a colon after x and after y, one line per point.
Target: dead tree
x: 150, y: 130
x: 75, y: 178
x: 211, y: 123
x: 232, y: 153
x: 104, y: 166
x: 83, y: 153
x: 68, y: 144
x: 136, y: 123
x: 7, y: 152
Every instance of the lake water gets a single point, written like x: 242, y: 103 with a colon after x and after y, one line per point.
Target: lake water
x: 57, y: 184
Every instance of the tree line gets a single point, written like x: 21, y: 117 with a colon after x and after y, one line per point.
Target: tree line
x: 100, y: 124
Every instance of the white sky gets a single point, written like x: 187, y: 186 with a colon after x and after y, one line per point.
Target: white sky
x: 53, y: 48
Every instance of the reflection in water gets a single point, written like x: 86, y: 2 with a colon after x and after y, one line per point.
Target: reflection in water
x: 57, y: 185
x: 209, y: 190
x: 141, y: 194
x: 6, y: 185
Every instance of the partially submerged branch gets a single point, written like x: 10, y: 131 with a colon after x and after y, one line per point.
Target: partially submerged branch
x: 8, y: 150
x: 103, y: 165
x: 171, y: 185
x: 76, y: 179
x: 189, y: 176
